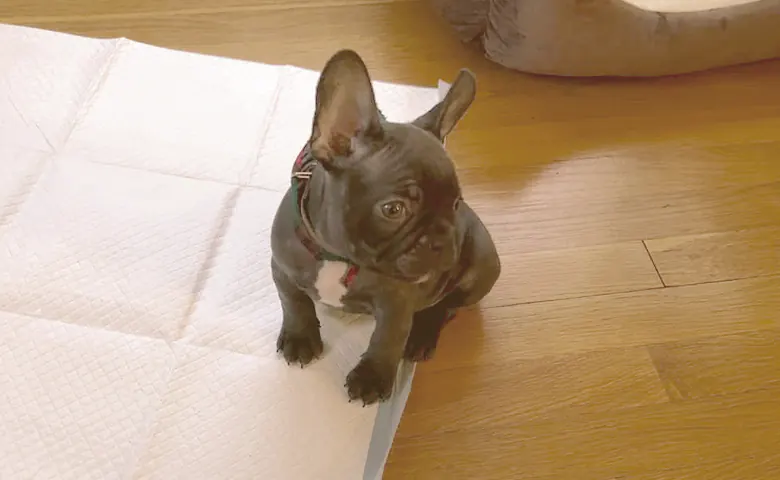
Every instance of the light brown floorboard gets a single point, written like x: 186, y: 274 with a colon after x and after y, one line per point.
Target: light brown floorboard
x: 717, y: 256
x: 530, y: 390
x: 719, y: 365
x: 504, y: 335
x: 577, y: 272
x: 601, y: 446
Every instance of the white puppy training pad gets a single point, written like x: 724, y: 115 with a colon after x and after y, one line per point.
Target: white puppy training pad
x: 138, y: 317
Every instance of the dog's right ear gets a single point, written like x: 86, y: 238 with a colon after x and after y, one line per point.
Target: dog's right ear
x: 441, y: 119
x: 346, y: 116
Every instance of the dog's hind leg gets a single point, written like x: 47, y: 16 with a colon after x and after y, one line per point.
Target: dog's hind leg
x: 482, y: 265
x: 421, y: 344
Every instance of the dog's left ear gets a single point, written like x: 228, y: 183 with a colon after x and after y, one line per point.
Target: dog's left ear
x: 346, y: 116
x: 442, y: 118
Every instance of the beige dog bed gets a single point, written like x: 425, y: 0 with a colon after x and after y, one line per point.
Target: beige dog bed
x: 618, y: 38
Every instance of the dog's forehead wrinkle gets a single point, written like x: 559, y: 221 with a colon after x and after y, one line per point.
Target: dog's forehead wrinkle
x: 381, y: 169
x: 407, y: 156
x: 411, y: 150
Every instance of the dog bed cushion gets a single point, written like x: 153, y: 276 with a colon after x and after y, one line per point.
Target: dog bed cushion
x: 634, y: 38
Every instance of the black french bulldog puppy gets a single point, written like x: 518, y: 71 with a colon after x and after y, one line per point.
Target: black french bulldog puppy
x: 374, y: 222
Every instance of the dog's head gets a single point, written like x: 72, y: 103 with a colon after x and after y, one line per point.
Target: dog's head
x: 391, y: 192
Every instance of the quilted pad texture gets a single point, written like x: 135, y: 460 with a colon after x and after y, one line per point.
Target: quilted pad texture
x: 137, y: 313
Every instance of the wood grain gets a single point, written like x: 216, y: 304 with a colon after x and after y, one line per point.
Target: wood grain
x: 613, y: 445
x: 580, y: 365
x: 529, y: 390
x: 104, y: 10
x: 719, y: 365
x: 556, y: 274
x: 554, y: 217
x: 503, y: 335
x: 618, y: 196
x: 726, y: 469
x: 717, y: 256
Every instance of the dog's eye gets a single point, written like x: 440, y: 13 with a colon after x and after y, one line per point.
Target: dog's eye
x: 394, y: 210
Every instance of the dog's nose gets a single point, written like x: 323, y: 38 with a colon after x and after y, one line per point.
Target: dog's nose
x: 431, y: 244
x: 434, y: 243
x: 439, y: 237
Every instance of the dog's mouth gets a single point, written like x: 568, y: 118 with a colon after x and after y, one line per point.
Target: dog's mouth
x: 423, y: 279
x: 405, y: 268
x: 415, y: 269
x: 415, y: 279
x: 408, y: 259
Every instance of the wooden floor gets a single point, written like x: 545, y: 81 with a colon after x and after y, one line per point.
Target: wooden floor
x: 635, y: 333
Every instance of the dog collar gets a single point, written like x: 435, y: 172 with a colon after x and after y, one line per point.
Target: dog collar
x: 301, y: 173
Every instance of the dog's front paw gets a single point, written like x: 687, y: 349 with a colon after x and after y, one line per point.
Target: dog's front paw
x: 299, y: 348
x: 370, y: 382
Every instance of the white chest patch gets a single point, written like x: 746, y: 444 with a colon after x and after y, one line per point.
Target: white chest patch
x: 328, y: 285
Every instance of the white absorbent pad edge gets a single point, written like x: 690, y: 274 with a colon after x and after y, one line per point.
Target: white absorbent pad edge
x: 138, y: 318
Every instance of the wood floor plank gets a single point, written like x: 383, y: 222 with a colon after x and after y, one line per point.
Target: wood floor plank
x: 630, y: 195
x: 601, y: 446
x: 715, y: 163
x: 557, y: 274
x: 491, y: 396
x: 541, y: 142
x: 719, y: 256
x: 555, y: 212
x: 42, y: 11
x: 731, y: 468
x: 719, y: 365
x: 502, y: 335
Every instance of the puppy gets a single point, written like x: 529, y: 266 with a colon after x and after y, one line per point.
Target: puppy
x: 374, y: 222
